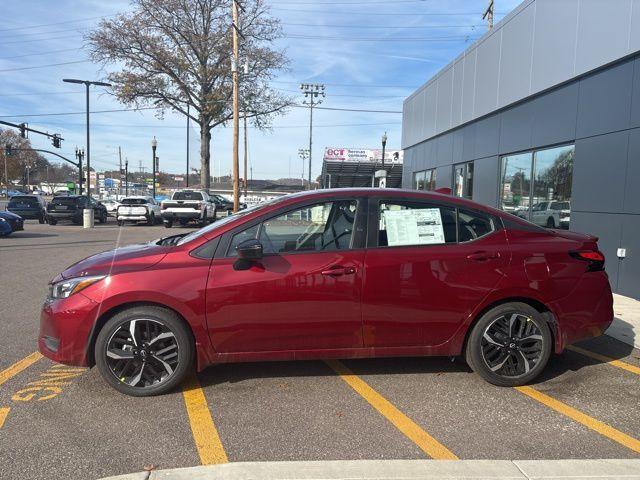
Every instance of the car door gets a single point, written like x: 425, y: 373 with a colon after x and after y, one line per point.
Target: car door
x: 427, y: 268
x: 304, y: 294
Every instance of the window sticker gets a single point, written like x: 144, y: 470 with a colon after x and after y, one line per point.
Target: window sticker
x: 414, y: 227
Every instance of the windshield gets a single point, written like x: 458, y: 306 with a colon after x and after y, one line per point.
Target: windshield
x: 225, y: 220
x: 187, y: 196
x: 64, y: 201
x: 134, y: 201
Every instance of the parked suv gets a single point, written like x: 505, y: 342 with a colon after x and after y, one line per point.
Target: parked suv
x: 552, y: 214
x: 188, y: 206
x: 224, y: 205
x: 28, y: 207
x: 138, y: 209
x: 71, y: 207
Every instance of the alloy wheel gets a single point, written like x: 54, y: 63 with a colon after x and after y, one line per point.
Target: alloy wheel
x: 142, y: 353
x: 512, y: 345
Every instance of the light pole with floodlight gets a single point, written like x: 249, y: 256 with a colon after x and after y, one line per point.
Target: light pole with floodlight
x: 154, y: 145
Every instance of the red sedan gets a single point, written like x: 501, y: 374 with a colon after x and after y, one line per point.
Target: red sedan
x: 348, y: 273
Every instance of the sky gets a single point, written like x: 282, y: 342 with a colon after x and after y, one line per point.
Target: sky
x: 370, y: 54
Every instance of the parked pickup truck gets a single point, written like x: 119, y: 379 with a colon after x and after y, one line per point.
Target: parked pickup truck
x: 188, y: 206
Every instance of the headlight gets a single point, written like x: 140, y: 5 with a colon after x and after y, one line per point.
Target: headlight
x: 66, y: 288
x: 2, y: 219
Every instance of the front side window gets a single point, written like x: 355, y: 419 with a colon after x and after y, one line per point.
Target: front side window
x: 414, y: 223
x: 473, y: 225
x: 315, y: 228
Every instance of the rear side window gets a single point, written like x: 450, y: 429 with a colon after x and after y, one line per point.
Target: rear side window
x: 473, y: 225
x: 187, y: 196
x: 415, y: 223
x: 64, y: 201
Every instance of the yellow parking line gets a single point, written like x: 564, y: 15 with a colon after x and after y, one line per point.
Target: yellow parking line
x: 204, y: 431
x: 576, y: 415
x: 408, y: 427
x: 603, y: 358
x: 4, y: 411
x: 19, y: 366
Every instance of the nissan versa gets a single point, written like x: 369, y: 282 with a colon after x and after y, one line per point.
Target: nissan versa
x: 347, y: 273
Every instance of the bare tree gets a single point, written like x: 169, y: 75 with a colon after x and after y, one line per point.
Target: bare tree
x: 177, y: 53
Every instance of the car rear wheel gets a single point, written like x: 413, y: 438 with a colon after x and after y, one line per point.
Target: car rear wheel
x: 41, y: 219
x: 551, y: 223
x: 168, y: 224
x: 144, y: 351
x: 152, y: 219
x: 52, y: 221
x: 510, y: 345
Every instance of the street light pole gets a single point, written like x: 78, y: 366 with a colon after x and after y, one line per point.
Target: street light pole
x: 126, y: 177
x: 87, y: 84
x: 154, y: 145
x: 79, y: 156
x: 384, y: 146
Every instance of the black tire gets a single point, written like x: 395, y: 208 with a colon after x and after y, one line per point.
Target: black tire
x: 152, y: 219
x: 52, y: 221
x: 551, y: 223
x: 103, y: 218
x: 178, y: 360
x: 203, y: 220
x: 513, y: 361
x: 168, y: 224
x: 121, y: 223
x: 41, y: 219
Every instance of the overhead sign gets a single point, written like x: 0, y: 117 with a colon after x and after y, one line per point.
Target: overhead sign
x: 362, y: 155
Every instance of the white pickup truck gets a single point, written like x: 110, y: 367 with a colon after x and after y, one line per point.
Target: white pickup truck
x: 188, y: 206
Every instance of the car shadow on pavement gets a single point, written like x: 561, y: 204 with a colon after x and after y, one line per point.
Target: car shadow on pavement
x: 24, y: 234
x: 568, y: 361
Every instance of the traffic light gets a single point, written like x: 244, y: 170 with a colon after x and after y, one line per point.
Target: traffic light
x: 56, y: 140
x: 23, y: 130
x: 7, y: 150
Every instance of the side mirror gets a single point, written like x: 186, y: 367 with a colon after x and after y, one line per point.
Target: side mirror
x: 250, y: 250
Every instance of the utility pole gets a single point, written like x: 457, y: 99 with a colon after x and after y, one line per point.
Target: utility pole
x: 79, y: 157
x: 246, y: 155
x: 313, y: 94
x: 488, y: 15
x: 303, y: 153
x: 120, y: 161
x: 126, y: 177
x: 236, y: 123
x: 154, y: 145
x: 187, y: 177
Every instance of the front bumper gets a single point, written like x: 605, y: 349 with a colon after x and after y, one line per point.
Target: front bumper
x: 132, y: 218
x: 65, y: 329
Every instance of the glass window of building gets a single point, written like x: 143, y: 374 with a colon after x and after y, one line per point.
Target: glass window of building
x: 463, y: 180
x: 537, y: 185
x: 425, y: 180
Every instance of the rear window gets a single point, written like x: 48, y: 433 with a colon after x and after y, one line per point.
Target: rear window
x: 17, y: 200
x: 64, y: 201
x: 134, y: 201
x: 187, y: 196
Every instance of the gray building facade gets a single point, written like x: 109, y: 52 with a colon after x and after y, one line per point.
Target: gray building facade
x: 541, y: 117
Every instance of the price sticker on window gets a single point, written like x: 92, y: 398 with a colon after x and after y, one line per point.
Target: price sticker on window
x: 414, y: 227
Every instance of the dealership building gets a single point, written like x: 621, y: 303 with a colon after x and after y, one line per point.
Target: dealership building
x: 541, y: 117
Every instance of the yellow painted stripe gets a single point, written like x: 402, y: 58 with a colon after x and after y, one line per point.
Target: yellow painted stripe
x: 4, y: 411
x: 408, y: 427
x: 19, y: 366
x: 576, y: 415
x: 204, y: 431
x: 603, y: 358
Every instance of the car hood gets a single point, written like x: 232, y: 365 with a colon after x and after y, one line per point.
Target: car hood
x: 10, y: 216
x: 119, y: 260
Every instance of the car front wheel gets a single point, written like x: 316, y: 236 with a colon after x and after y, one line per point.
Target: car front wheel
x: 144, y: 351
x: 510, y: 345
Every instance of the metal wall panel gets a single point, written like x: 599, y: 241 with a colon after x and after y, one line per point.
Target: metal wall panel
x: 554, y: 118
x: 516, y: 56
x: 629, y: 267
x: 603, y: 33
x: 485, y: 181
x: 468, y: 85
x: 456, y: 101
x: 487, y: 137
x: 444, y: 101
x: 445, y: 149
x: 598, y: 189
x: 604, y: 102
x: 554, y: 43
x: 635, y: 94
x: 516, y: 125
x: 634, y: 34
x: 429, y: 118
x: 487, y: 75
x: 443, y: 176
x: 631, y: 195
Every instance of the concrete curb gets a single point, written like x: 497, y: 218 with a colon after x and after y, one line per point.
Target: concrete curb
x: 403, y: 470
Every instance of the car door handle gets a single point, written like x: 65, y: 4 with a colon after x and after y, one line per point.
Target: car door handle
x: 339, y: 271
x: 483, y: 256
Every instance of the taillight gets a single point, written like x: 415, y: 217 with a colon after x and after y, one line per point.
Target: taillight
x: 163, y: 207
x: 197, y: 206
x: 594, y: 258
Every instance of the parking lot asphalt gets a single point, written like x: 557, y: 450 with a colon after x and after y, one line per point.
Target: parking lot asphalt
x: 64, y: 422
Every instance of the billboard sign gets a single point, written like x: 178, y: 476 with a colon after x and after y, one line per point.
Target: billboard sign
x: 362, y: 155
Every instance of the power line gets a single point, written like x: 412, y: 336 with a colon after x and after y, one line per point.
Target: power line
x: 78, y: 113
x: 41, y: 53
x: 337, y: 109
x: 465, y: 38
x: 355, y: 85
x: 378, y: 27
x: 39, y: 39
x: 386, y: 14
x: 55, y: 23
x: 36, y: 94
x: 43, y: 66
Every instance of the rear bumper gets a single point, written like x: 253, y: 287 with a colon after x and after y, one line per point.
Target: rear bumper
x: 170, y: 216
x: 586, y: 313
x: 132, y: 218
x: 28, y: 214
x: 64, y: 215
x: 65, y: 329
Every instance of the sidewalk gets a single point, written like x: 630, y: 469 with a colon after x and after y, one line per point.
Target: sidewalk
x: 404, y: 470
x: 626, y: 325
